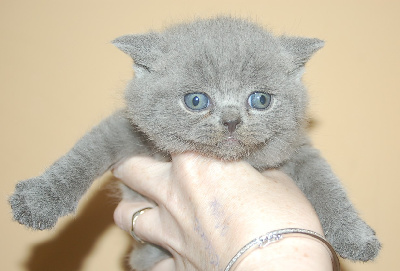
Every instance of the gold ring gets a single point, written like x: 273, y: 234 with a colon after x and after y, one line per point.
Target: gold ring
x: 134, y: 218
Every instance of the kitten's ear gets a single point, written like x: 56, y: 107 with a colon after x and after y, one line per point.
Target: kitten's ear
x: 145, y: 49
x: 301, y: 48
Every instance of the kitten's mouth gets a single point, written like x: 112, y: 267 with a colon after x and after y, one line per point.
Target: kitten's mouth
x: 231, y: 139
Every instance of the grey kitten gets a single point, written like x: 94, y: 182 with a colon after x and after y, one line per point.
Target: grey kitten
x: 222, y: 87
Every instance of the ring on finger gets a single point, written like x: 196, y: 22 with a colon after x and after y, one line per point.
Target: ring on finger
x: 134, y: 218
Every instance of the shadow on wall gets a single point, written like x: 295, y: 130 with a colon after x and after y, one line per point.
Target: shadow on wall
x: 69, y: 248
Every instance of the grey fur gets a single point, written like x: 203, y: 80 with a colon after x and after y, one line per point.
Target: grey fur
x: 228, y: 59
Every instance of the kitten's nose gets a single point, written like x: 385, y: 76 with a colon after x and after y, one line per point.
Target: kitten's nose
x: 231, y: 124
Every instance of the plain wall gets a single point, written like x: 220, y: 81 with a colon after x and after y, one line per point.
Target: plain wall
x: 59, y: 76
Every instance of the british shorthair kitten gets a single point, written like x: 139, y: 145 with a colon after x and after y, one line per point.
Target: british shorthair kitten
x: 221, y: 87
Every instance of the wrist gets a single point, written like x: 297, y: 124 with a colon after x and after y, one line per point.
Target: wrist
x: 304, y: 250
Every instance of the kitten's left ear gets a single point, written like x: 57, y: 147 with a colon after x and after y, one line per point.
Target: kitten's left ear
x: 301, y: 48
x: 145, y: 49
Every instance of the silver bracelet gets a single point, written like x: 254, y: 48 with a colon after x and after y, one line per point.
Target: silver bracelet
x: 275, y: 236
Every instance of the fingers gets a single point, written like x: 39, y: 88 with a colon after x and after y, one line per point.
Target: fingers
x: 146, y: 224
x: 191, y: 162
x: 145, y: 175
x: 152, y: 178
x: 124, y: 211
x: 164, y: 265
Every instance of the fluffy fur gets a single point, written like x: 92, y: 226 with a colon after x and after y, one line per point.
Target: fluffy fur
x: 226, y: 60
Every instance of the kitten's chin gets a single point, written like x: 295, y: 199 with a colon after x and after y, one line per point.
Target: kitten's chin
x: 230, y: 149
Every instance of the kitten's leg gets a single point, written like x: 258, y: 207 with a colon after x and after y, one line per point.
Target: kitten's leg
x: 145, y: 256
x: 351, y: 237
x: 40, y: 201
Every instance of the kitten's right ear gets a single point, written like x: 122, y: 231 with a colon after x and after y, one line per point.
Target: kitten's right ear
x: 144, y: 49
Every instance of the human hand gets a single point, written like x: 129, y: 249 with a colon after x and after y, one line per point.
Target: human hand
x: 208, y: 209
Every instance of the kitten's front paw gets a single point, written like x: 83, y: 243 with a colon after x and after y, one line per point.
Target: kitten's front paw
x: 35, y: 204
x: 356, y: 241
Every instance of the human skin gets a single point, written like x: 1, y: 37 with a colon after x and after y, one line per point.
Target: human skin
x: 206, y: 210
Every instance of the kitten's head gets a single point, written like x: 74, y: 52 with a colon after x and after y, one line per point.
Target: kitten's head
x: 223, y: 87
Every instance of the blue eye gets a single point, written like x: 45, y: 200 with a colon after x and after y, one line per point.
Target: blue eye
x: 259, y: 100
x: 196, y: 101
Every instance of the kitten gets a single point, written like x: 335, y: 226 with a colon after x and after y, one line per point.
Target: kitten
x: 222, y: 87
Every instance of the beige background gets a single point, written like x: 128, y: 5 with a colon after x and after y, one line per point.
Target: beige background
x: 59, y: 76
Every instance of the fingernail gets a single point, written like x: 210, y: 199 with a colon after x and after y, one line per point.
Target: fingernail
x: 116, y: 170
